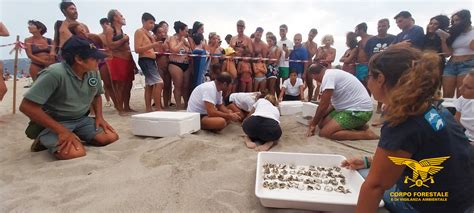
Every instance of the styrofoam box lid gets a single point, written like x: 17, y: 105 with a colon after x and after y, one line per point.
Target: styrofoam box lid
x: 354, y: 179
x: 310, y: 104
x: 291, y: 103
x: 449, y: 99
x: 448, y: 102
x: 169, y: 116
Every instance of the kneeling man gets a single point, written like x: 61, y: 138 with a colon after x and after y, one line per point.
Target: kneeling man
x: 206, y: 99
x: 60, y: 99
x: 345, y: 106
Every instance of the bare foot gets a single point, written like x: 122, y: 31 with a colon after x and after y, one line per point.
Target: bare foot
x: 129, y: 110
x: 264, y: 147
x: 6, y: 118
x: 378, y: 122
x: 249, y: 143
x: 371, y: 135
x: 149, y: 110
x: 123, y: 113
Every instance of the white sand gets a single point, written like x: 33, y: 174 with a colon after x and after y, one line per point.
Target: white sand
x: 196, y: 173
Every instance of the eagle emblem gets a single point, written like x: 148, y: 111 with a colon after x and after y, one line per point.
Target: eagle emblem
x: 422, y: 171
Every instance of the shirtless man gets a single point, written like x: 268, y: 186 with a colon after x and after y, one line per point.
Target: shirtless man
x: 144, y: 46
x: 104, y: 70
x: 362, y: 70
x: 312, y: 48
x: 121, y: 65
x: 241, y: 42
x: 61, y: 28
x: 259, y: 46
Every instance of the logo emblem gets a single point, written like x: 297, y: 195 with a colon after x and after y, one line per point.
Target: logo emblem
x: 435, y: 120
x: 92, y: 82
x: 421, y: 170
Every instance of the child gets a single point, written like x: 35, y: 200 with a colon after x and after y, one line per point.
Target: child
x: 229, y: 66
x: 215, y: 71
x: 262, y: 127
x: 260, y: 71
x: 245, y: 71
x: 292, y: 88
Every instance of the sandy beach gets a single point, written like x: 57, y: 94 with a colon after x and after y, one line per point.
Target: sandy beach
x: 202, y: 172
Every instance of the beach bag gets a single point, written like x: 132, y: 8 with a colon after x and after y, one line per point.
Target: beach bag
x: 33, y: 130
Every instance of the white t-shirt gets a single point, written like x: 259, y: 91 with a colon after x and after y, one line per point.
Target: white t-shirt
x: 466, y: 108
x: 202, y: 93
x: 264, y: 108
x: 244, y: 100
x: 461, y: 44
x: 349, y: 93
x: 289, y: 45
x: 292, y: 90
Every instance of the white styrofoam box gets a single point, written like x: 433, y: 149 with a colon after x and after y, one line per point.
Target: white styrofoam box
x: 165, y: 124
x: 305, y: 120
x: 309, y: 109
x: 311, y: 200
x: 290, y: 107
x: 448, y: 102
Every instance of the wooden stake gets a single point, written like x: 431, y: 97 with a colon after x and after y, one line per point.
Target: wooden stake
x: 15, y: 72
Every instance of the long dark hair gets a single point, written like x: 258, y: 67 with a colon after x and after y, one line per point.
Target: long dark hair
x: 456, y: 30
x: 178, y: 26
x: 351, y: 40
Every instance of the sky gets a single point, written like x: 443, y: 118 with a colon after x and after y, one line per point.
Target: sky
x: 335, y: 17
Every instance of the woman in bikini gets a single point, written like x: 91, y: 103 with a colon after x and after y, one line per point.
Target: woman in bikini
x: 162, y: 60
x: 179, y: 64
x: 215, y: 48
x: 324, y: 56
x: 38, y: 48
x: 349, y: 57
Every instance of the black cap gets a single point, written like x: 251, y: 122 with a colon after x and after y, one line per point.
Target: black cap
x: 404, y: 14
x: 259, y: 29
x: 81, y: 46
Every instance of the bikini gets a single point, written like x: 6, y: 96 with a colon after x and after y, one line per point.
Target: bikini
x: 35, y: 50
x: 182, y: 65
x: 115, y: 36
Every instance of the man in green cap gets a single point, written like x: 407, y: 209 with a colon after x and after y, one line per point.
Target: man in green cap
x: 60, y: 99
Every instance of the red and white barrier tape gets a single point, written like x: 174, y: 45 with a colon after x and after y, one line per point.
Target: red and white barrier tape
x: 22, y: 45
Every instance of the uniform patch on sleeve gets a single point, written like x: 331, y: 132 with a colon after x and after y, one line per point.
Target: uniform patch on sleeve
x: 435, y: 120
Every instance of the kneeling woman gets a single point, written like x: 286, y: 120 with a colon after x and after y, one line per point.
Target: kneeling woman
x: 243, y: 102
x: 262, y: 127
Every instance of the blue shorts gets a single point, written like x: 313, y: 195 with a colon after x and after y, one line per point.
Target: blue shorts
x: 150, y: 70
x: 458, y: 68
x: 362, y: 71
x: 83, y: 127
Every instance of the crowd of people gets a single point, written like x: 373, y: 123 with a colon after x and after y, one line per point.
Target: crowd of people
x: 246, y: 80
